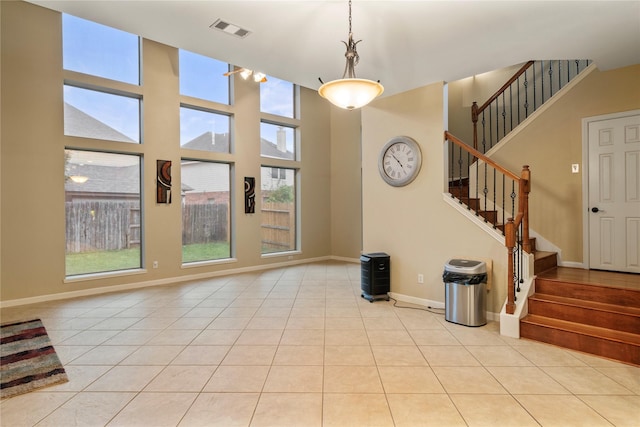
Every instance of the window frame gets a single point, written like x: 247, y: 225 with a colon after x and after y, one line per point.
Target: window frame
x: 231, y: 218
x: 83, y: 143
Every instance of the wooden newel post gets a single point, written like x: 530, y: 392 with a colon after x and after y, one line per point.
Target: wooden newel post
x: 474, y: 119
x: 510, y: 243
x: 526, y: 185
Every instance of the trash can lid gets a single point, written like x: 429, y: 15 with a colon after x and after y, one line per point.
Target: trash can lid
x: 466, y: 266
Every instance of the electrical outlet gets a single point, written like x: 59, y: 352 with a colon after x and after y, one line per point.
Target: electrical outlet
x: 155, y: 264
x: 575, y: 168
x: 420, y: 278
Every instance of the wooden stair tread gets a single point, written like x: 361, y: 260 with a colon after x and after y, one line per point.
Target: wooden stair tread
x: 576, y: 276
x: 592, y: 331
x: 543, y: 254
x: 594, y: 305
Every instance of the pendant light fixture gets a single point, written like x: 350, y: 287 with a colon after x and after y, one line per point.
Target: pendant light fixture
x: 350, y: 92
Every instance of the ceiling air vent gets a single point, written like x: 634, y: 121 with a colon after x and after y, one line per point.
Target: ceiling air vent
x: 229, y: 28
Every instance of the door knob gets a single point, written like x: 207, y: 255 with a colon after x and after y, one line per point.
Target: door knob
x: 595, y: 210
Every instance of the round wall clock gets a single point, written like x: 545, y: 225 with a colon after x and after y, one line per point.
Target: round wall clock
x: 399, y: 161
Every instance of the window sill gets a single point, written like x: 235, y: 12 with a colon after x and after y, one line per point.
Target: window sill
x: 103, y: 275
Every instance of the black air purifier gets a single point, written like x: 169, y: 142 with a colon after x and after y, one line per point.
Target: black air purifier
x: 375, y: 276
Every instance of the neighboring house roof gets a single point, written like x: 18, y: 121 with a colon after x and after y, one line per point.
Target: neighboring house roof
x: 105, y: 179
x: 125, y: 179
x: 79, y: 123
x: 270, y: 149
x: 209, y: 141
x: 219, y: 143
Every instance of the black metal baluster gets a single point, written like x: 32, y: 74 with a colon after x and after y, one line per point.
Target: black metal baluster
x: 550, y: 79
x: 518, y: 246
x: 518, y: 91
x: 477, y: 182
x: 526, y: 96
x: 494, y: 197
x: 504, y: 117
x: 490, y: 131
x: 459, y: 171
x: 504, y: 212
x: 485, y: 190
x: 451, y: 166
x: 484, y: 134
x: 542, y: 82
x: 559, y: 76
x: 510, y: 109
x: 521, y: 257
x: 534, y: 87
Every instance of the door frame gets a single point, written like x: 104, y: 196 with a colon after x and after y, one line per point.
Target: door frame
x: 585, y: 177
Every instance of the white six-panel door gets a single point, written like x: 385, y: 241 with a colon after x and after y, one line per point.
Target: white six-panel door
x: 614, y: 194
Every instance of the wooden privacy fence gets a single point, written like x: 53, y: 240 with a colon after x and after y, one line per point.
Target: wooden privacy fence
x: 278, y: 226
x: 101, y: 225
x: 205, y: 223
x: 109, y: 225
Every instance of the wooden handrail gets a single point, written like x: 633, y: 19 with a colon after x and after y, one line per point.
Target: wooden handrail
x: 504, y: 87
x: 510, y: 227
x: 480, y: 156
x: 475, y: 110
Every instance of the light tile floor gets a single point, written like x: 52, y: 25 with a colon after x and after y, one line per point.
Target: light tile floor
x: 298, y: 347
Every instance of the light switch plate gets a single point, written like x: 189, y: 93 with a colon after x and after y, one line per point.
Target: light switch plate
x: 575, y: 168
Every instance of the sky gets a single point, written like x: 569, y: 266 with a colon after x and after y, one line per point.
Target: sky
x: 99, y: 50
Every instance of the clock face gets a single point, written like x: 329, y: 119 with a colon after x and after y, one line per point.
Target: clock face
x: 400, y: 161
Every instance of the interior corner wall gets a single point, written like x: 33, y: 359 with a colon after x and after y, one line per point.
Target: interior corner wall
x: 413, y: 224
x: 346, y: 184
x: 552, y: 142
x: 32, y: 168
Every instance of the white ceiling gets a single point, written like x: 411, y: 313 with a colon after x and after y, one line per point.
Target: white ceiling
x: 405, y: 44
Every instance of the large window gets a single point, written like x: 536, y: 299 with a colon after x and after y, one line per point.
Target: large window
x: 101, y: 115
x: 98, y: 50
x: 206, y: 211
x: 278, y: 148
x: 277, y: 141
x: 102, y: 207
x: 202, y: 77
x: 277, y: 97
x: 278, y: 223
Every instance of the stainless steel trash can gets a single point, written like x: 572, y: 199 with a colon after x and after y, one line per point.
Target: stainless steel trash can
x: 465, y: 293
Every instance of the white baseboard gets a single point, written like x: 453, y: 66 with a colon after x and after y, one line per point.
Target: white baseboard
x: 159, y: 282
x: 427, y: 303
x: 572, y: 264
x: 419, y: 301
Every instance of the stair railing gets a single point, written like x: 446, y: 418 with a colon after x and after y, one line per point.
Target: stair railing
x: 533, y: 84
x: 496, y: 182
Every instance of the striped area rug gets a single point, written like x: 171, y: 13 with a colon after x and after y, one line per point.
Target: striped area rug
x: 28, y: 361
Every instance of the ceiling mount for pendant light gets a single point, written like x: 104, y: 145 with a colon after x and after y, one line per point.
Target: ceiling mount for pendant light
x: 350, y: 92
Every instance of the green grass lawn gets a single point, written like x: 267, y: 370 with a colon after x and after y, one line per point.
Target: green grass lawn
x: 205, y: 251
x: 125, y: 259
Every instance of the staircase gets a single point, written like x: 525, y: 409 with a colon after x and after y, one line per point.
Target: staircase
x: 459, y: 189
x: 581, y: 310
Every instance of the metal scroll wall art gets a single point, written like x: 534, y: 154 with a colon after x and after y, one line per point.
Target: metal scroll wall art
x: 163, y: 182
x: 249, y: 195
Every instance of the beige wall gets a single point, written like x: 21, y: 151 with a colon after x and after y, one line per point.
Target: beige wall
x: 478, y: 88
x: 413, y: 224
x: 32, y: 167
x: 346, y: 200
x: 552, y: 142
